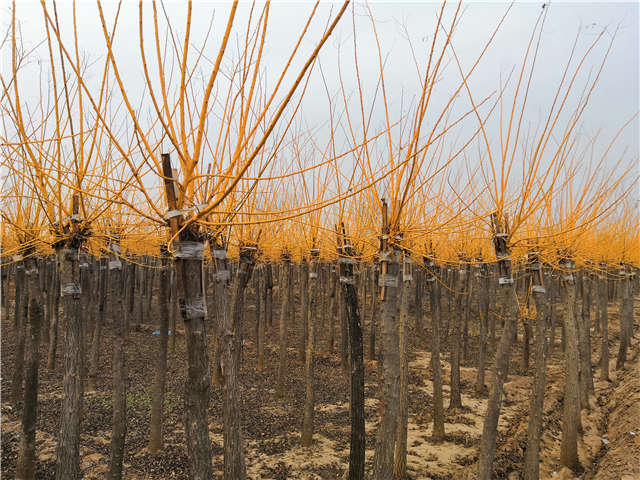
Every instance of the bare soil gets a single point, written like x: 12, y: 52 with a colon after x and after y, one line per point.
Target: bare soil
x: 271, y: 427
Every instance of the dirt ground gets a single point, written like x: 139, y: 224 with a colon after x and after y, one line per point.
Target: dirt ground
x: 609, y: 448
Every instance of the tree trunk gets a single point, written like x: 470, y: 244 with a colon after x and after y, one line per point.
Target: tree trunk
x: 234, y: 466
x: 483, y: 307
x: 400, y: 455
x: 94, y: 366
x: 304, y: 305
x: 269, y: 287
x: 159, y: 381
x: 223, y: 277
x: 386, y: 436
x: 85, y: 286
x: 467, y: 300
x: 604, y: 320
x: 68, y: 450
x: 285, y: 291
x: 374, y: 313
x: 310, y: 303
x: 119, y: 426
x: 586, y: 336
x: 261, y: 302
x: 526, y: 340
x: 500, y: 371
x: 25, y: 469
x: 188, y: 261
x: 534, y: 430
x: 626, y: 320
x: 357, y: 443
x: 455, y: 401
x: 344, y: 339
x: 54, y: 316
x: 173, y: 305
x: 436, y: 369
x: 333, y: 309
x: 571, y: 402
x: 418, y: 291
x: 20, y: 324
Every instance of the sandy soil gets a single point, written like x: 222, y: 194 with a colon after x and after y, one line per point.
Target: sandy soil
x: 271, y: 427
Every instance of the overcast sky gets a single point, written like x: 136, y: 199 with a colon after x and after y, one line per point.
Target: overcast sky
x: 615, y: 100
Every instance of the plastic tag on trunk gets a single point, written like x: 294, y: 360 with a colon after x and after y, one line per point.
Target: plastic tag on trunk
x: 70, y: 289
x: 189, y: 250
x: 387, y: 281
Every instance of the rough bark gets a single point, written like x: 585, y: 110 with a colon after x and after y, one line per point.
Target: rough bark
x: 436, y: 369
x: 333, y: 308
x: 261, y: 302
x: 374, y: 313
x: 626, y: 320
x: 119, y: 422
x: 54, y: 318
x: 356, y: 408
x: 20, y: 324
x: 160, y: 378
x: 285, y: 290
x: 571, y: 402
x: 386, y: 435
x: 400, y: 455
x: 304, y: 305
x: 455, y: 400
x: 234, y: 465
x: 483, y: 307
x: 188, y: 262
x: 25, y: 469
x: 98, y: 323
x: 604, y: 324
x: 534, y: 430
x: 500, y: 371
x: 344, y: 339
x: 585, y: 338
x: 68, y: 450
x: 310, y: 305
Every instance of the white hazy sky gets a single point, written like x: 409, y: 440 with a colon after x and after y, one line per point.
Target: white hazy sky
x: 615, y: 100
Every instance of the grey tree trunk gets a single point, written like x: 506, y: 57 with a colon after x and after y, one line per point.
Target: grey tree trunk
x: 500, y: 371
x: 387, y: 429
x: 119, y: 425
x: 94, y: 365
x: 604, y: 321
x: 374, y: 313
x: 333, y: 308
x: 400, y: 455
x: 20, y: 324
x: 534, y: 430
x: 25, y: 469
x: 262, y: 314
x: 285, y: 291
x: 587, y: 370
x: 310, y: 305
x: 571, y: 402
x: 626, y: 320
x: 188, y: 261
x: 234, y: 466
x: 304, y: 305
x: 68, y: 450
x: 455, y: 400
x: 483, y: 307
x: 357, y: 444
x: 54, y: 316
x: 436, y: 370
x: 156, y: 440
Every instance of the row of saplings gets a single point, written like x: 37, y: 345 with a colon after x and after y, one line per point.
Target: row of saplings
x: 72, y: 294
